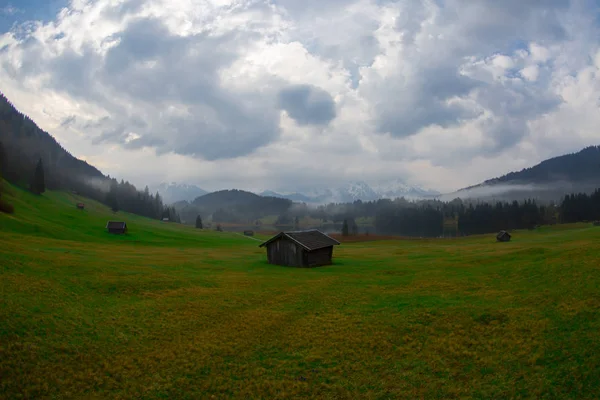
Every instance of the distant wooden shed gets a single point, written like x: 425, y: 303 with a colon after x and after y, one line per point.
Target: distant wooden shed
x: 116, y: 227
x: 503, y: 236
x: 249, y: 233
x: 311, y: 248
x: 81, y: 206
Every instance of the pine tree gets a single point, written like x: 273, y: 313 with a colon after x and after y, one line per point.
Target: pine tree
x: 38, y: 182
x: 345, y: 228
x: 111, y: 198
x: 1, y: 165
x: 198, y: 222
x: 296, y: 223
x: 2, y: 159
x: 158, y: 206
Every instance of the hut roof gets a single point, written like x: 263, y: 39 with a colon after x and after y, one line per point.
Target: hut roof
x: 503, y: 234
x: 115, y: 225
x: 310, y: 240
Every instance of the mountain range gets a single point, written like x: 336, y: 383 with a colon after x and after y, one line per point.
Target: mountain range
x: 551, y: 179
x: 346, y: 193
x: 173, y: 192
x: 356, y: 190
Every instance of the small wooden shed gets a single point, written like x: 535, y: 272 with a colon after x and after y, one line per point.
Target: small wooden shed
x: 503, y: 236
x: 116, y: 227
x: 81, y: 206
x: 249, y: 233
x: 311, y: 248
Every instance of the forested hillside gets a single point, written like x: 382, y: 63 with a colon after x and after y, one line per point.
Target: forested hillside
x: 549, y: 180
x: 232, y: 206
x: 583, y: 166
x: 24, y: 146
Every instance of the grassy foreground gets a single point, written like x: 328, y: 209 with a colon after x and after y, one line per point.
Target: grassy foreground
x: 171, y: 312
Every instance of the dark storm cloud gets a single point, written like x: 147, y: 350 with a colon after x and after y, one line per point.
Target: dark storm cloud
x: 422, y: 101
x: 307, y: 105
x: 150, y: 72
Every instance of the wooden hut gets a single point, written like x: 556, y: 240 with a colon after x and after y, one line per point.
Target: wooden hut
x: 81, y: 206
x: 116, y: 227
x: 503, y: 236
x: 311, y: 248
x: 249, y: 233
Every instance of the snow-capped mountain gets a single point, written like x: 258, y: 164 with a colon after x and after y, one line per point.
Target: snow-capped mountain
x: 357, y: 190
x: 174, y: 192
x: 352, y: 191
x: 398, y: 188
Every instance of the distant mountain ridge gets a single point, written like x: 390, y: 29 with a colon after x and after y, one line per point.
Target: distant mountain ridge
x: 582, y: 166
x: 346, y: 193
x: 356, y: 190
x: 549, y: 180
x: 174, y: 192
x: 232, y: 206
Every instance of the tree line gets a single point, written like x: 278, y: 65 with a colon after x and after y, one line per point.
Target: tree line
x: 581, y: 207
x: 434, y: 218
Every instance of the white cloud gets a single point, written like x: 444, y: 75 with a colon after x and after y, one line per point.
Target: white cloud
x: 10, y: 10
x: 530, y: 72
x: 257, y: 94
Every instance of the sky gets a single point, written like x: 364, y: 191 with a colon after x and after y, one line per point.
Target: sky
x: 287, y: 94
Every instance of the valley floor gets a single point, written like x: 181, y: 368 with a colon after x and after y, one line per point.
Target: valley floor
x: 170, y: 312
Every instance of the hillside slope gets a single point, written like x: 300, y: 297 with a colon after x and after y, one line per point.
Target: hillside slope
x: 583, y: 166
x: 549, y: 180
x: 231, y: 206
x: 23, y: 143
x: 55, y: 215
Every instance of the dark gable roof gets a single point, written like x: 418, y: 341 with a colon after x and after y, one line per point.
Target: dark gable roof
x: 116, y: 225
x: 310, y: 240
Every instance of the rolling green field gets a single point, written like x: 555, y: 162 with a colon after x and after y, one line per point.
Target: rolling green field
x: 168, y: 311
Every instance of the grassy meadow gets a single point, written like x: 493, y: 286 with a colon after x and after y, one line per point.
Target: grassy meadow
x: 168, y: 311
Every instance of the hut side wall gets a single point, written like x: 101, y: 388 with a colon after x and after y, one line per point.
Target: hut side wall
x: 285, y: 252
x: 320, y: 257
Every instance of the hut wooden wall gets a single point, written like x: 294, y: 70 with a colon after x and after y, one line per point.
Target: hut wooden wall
x: 320, y: 257
x: 285, y: 252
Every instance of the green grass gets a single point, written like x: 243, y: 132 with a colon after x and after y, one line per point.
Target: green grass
x: 168, y: 311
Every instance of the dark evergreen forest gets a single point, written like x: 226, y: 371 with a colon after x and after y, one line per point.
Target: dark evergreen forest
x: 460, y: 218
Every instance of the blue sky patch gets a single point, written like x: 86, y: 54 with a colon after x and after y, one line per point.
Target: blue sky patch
x: 19, y: 11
